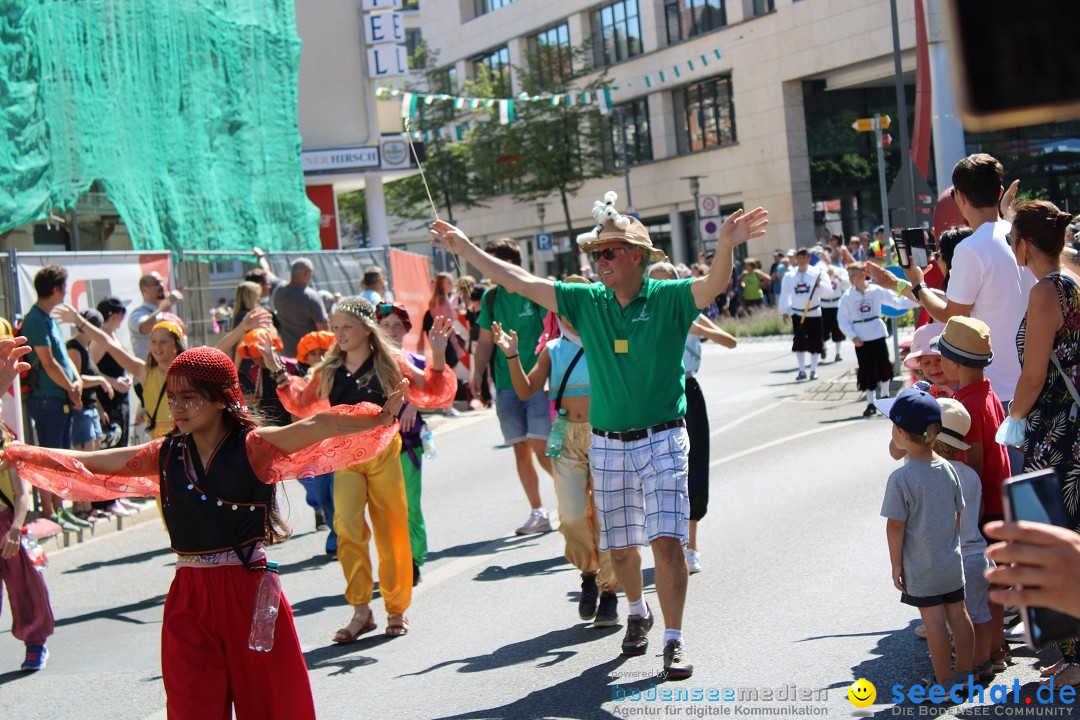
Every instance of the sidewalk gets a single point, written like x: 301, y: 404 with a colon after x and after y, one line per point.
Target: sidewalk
x: 54, y: 538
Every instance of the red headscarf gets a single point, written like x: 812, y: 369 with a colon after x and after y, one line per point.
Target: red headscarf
x: 214, y: 368
x: 384, y: 309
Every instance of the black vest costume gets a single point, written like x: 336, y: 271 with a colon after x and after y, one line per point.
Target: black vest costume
x: 225, y: 511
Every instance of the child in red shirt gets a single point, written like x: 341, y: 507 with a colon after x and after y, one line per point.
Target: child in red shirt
x: 964, y: 346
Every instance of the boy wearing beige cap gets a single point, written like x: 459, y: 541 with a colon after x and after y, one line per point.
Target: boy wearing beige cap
x: 955, y: 425
x: 965, y: 350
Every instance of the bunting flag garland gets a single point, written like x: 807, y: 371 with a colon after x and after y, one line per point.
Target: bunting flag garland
x: 506, y: 106
x: 603, y: 100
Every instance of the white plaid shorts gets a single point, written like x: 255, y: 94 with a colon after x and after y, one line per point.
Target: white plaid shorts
x: 640, y: 488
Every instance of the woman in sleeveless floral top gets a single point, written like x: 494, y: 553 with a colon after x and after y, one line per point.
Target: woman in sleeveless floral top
x: 1043, y: 395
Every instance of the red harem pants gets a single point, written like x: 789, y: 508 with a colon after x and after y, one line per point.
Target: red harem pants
x: 31, y: 614
x: 205, y: 661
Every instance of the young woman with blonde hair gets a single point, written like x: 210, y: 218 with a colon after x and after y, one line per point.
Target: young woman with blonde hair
x: 247, y: 299
x: 361, y: 367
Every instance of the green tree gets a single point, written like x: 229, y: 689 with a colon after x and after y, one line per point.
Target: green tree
x: 446, y: 163
x: 558, y: 146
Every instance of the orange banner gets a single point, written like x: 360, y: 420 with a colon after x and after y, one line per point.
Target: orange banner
x: 411, y: 277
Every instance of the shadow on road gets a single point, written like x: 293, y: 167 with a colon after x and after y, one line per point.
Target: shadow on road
x: 119, y: 613
x: 836, y: 421
x: 12, y: 676
x: 126, y: 560
x: 580, y: 697
x: 326, y: 602
x: 315, y: 562
x: 343, y: 658
x: 497, y: 545
x: 549, y: 566
x: 550, y: 649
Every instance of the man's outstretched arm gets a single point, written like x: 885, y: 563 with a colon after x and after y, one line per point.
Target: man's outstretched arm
x: 737, y: 229
x: 510, y: 276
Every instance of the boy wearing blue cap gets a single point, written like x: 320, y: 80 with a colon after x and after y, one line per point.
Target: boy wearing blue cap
x: 922, y: 505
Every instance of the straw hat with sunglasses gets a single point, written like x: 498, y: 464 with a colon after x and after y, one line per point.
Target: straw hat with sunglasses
x: 614, y: 227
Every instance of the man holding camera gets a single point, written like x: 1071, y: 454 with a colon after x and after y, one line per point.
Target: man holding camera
x: 984, y: 280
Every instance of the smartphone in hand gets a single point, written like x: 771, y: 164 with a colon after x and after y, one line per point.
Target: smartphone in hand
x: 1036, y: 497
x: 917, y: 247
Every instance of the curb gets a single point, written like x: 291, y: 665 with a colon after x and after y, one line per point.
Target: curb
x: 58, y: 540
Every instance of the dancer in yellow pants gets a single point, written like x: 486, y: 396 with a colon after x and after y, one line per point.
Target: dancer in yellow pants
x: 356, y: 369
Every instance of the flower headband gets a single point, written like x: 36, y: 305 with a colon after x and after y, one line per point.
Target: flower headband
x: 358, y: 307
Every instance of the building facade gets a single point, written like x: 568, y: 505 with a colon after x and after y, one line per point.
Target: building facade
x: 737, y: 124
x: 765, y: 122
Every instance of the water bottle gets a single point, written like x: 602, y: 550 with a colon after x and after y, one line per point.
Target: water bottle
x: 428, y: 441
x: 35, y: 552
x: 555, y: 439
x: 267, y: 599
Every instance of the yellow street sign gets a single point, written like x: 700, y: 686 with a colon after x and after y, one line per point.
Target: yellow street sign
x: 867, y: 124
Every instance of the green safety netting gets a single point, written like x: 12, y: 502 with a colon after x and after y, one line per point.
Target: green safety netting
x: 184, y: 110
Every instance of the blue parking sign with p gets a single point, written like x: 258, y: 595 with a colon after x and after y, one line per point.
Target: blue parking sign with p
x: 543, y: 241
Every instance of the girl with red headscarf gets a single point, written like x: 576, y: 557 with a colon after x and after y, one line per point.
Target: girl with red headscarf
x: 216, y: 473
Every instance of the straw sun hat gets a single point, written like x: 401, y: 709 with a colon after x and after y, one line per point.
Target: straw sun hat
x: 611, y: 226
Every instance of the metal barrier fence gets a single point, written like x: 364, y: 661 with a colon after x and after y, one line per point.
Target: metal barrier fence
x: 206, y: 277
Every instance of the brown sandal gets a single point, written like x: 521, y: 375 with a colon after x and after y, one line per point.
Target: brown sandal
x: 397, y: 625
x: 344, y: 636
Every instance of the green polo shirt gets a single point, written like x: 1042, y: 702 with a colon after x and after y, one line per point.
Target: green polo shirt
x: 646, y: 385
x: 513, y: 312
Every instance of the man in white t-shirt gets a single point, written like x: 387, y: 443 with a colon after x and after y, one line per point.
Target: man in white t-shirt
x: 984, y: 280
x: 156, y: 300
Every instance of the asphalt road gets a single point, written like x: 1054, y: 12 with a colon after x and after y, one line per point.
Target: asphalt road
x: 793, y: 605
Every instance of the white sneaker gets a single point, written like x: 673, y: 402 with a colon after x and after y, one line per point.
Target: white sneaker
x: 538, y: 522
x: 693, y: 560
x: 1015, y: 634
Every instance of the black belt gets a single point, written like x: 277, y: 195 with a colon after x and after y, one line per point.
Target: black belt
x: 808, y: 311
x: 856, y: 322
x: 631, y: 435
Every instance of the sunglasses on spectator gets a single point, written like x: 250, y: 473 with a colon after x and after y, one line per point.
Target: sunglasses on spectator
x: 607, y: 253
x: 385, y: 309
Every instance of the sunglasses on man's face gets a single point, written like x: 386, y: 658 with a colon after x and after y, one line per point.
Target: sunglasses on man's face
x: 607, y: 253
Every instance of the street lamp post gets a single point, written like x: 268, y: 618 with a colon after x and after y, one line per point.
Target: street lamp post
x: 621, y: 113
x: 695, y: 189
x: 537, y: 267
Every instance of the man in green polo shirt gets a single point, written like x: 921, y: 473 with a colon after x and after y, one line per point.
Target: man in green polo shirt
x: 525, y: 424
x: 633, y: 330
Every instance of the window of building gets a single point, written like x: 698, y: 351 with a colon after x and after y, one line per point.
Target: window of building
x: 498, y: 64
x: 483, y: 7
x: 616, y: 32
x: 705, y: 113
x: 410, y: 5
x: 550, y: 53
x: 762, y: 7
x: 412, y: 41
x: 689, y: 18
x: 635, y: 119
x: 446, y: 81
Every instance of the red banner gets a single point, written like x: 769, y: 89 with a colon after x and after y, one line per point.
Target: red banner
x: 323, y: 197
x: 411, y: 276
